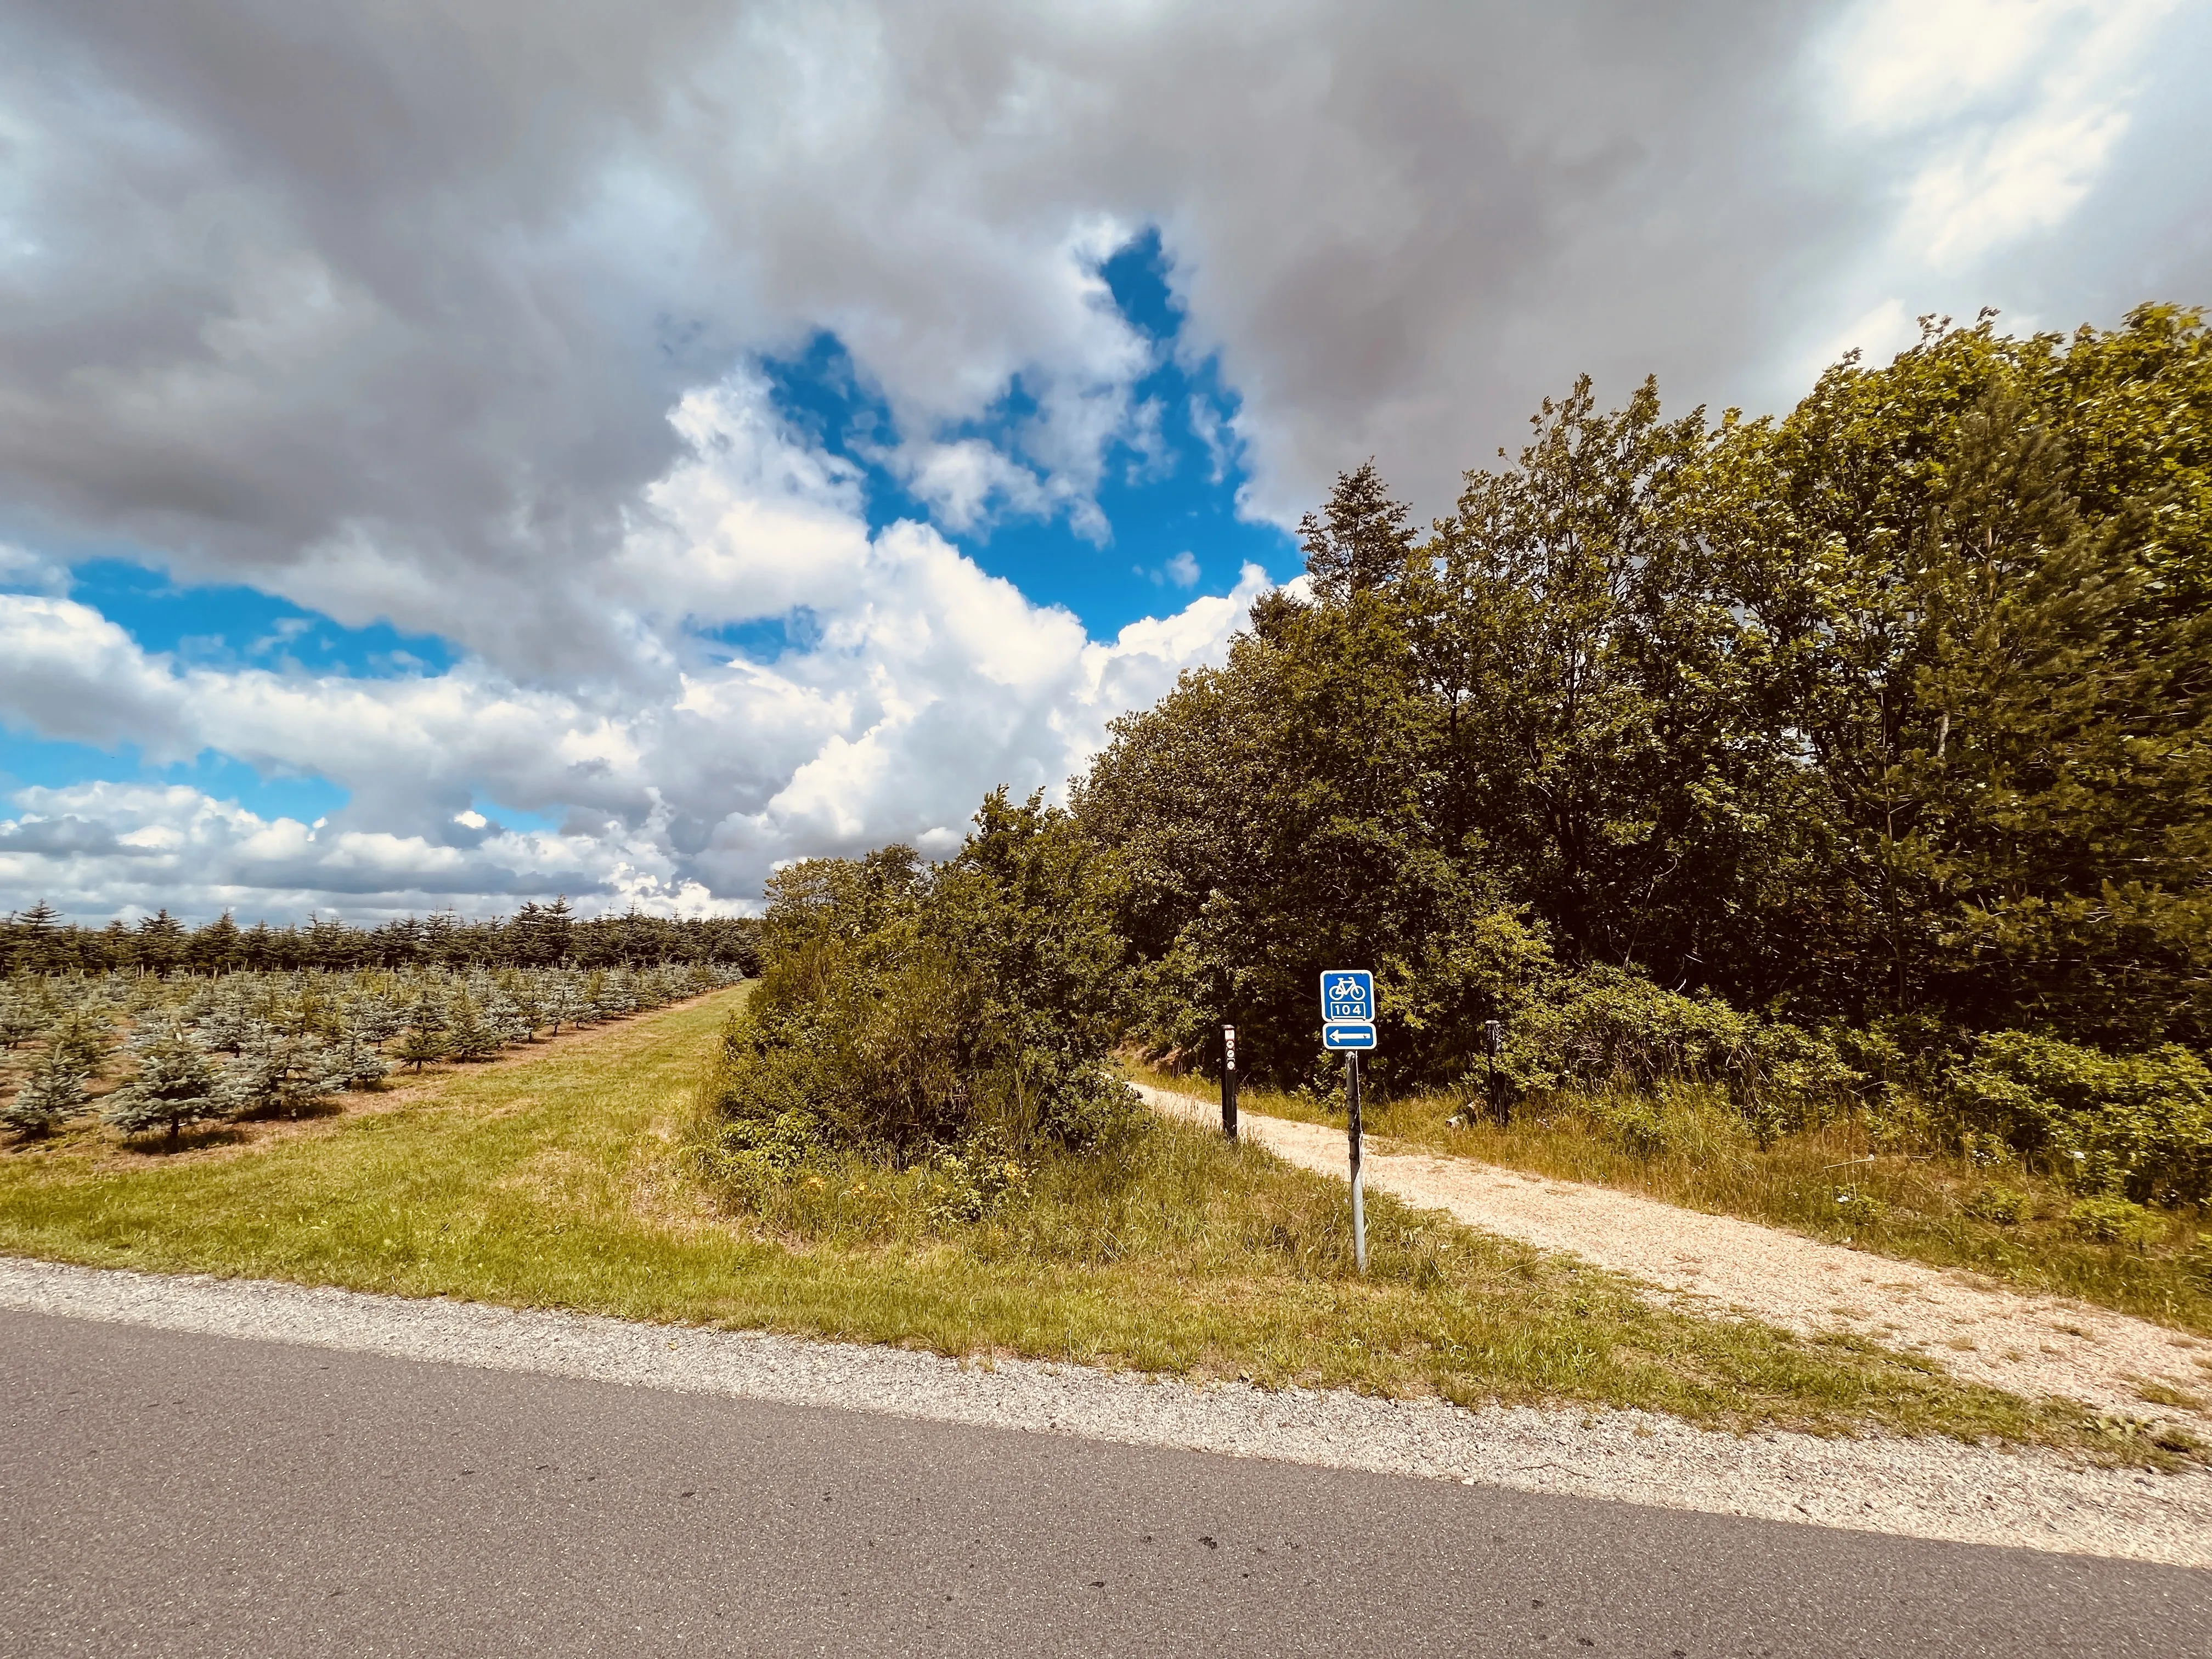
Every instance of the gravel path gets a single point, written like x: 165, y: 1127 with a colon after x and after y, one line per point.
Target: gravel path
x: 1923, y: 1489
x: 1978, y: 1330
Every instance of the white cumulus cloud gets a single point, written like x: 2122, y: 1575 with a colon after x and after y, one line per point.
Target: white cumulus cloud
x: 685, y: 770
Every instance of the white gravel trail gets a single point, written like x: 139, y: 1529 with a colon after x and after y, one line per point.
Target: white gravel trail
x: 1977, y: 1329
x: 1921, y: 1489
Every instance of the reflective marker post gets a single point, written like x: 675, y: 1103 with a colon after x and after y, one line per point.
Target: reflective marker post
x: 1493, y: 1038
x: 1229, y: 1081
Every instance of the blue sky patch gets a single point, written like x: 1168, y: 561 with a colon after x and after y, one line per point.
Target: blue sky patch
x: 33, y: 762
x: 1169, y: 498
x: 233, y: 627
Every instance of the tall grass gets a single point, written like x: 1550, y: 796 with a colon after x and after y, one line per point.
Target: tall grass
x: 1840, y: 1181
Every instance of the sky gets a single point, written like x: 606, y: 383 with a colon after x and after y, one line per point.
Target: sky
x: 455, y: 452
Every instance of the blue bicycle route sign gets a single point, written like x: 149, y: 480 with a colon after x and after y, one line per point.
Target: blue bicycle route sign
x: 1347, y: 995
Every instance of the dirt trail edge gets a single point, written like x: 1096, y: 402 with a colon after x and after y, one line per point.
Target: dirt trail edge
x: 1978, y: 1330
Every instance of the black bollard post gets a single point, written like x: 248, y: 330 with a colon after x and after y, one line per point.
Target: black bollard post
x: 1229, y: 1081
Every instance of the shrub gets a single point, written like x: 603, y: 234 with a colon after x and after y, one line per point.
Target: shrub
x: 2134, y: 1126
x: 1606, y: 1030
x: 966, y: 1189
x: 906, y: 1010
x: 2006, y: 1206
x: 2110, y: 1220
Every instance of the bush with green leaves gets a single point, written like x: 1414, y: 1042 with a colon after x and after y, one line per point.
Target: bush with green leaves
x: 2007, y: 1206
x: 2107, y: 1219
x: 2134, y: 1126
x: 1608, y: 1034
x: 906, y: 1009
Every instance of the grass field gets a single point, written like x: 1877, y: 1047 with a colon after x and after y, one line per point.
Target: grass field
x: 558, y: 1179
x: 1827, y: 1185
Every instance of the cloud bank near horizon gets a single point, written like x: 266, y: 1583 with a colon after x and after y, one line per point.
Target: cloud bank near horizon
x: 680, y: 776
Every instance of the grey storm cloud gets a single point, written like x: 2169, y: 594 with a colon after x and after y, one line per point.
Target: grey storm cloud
x: 383, y: 306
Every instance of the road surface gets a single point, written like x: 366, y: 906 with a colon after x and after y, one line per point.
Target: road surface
x: 174, y: 1494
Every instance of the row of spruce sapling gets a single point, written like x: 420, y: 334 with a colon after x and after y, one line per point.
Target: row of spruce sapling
x: 261, y: 1045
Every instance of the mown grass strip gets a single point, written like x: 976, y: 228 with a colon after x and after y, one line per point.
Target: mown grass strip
x: 556, y: 1182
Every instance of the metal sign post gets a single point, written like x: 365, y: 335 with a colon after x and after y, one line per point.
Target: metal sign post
x: 1229, y: 1081
x: 1358, y: 1174
x: 1347, y: 1025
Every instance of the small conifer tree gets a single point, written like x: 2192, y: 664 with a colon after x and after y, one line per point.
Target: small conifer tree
x: 177, y: 1083
x: 226, y: 1027
x: 22, y: 1016
x: 504, y: 1016
x: 418, y: 1047
x: 277, y: 1071
x: 354, y: 1063
x: 530, y: 1007
x: 50, y: 1097
x: 563, y: 1003
x: 81, y: 1039
x: 372, y: 1019
x: 467, y: 1035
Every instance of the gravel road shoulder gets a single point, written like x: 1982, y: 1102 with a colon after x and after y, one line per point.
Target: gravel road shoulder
x: 1921, y: 1489
x: 1978, y: 1330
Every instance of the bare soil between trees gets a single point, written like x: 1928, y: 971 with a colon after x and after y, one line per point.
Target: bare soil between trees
x: 1975, y: 1329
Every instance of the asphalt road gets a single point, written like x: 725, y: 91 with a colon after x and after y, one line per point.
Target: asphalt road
x: 186, y: 1495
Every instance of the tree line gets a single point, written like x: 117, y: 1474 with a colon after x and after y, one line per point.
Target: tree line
x: 1854, y: 761
x: 1890, y: 714
x: 39, y: 940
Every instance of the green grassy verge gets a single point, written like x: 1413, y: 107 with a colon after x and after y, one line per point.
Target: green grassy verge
x: 558, y: 1181
x: 1830, y: 1184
